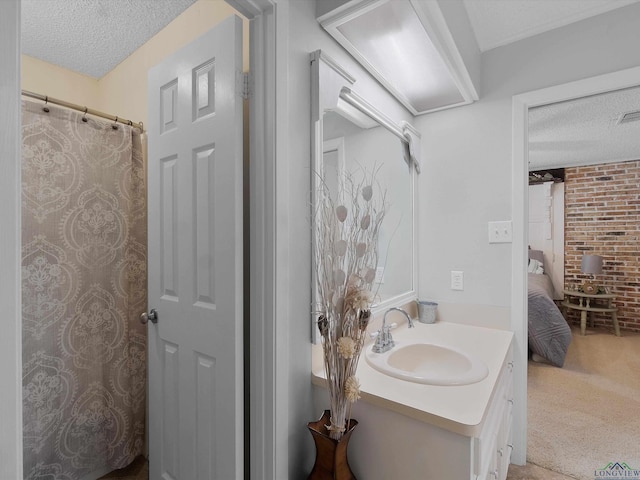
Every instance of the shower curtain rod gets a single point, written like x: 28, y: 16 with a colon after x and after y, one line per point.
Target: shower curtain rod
x: 46, y: 99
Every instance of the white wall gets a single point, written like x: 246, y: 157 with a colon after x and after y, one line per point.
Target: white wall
x: 467, y: 151
x: 546, y: 230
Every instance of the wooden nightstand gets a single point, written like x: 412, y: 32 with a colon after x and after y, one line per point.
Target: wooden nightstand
x: 592, y: 303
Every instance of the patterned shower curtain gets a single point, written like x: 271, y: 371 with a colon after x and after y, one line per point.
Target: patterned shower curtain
x: 84, y: 284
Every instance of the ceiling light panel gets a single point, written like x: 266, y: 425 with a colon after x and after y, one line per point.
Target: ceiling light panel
x: 389, y: 39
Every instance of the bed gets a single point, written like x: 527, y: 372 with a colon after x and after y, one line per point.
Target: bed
x: 549, y: 333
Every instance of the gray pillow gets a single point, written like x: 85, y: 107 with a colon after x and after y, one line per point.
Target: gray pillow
x: 537, y: 255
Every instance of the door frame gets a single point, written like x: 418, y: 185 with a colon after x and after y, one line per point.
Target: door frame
x: 10, y: 248
x: 268, y: 382
x: 520, y: 218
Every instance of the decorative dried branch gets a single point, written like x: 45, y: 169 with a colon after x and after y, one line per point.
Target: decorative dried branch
x: 347, y: 226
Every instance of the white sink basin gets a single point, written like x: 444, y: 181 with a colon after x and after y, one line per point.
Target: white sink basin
x: 428, y: 363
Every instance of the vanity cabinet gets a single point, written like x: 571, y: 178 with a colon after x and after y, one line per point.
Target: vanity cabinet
x: 423, y: 432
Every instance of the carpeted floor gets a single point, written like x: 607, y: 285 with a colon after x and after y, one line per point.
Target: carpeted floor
x: 587, y: 414
x: 533, y: 472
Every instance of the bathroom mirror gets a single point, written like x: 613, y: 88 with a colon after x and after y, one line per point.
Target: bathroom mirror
x: 352, y: 135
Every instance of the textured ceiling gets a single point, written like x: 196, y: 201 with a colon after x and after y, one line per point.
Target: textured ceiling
x: 499, y: 22
x: 92, y: 36
x: 585, y: 131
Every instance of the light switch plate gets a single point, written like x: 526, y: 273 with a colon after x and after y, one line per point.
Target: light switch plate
x: 457, y: 280
x: 500, y: 232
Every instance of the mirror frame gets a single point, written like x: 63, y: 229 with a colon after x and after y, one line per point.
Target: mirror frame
x: 330, y: 85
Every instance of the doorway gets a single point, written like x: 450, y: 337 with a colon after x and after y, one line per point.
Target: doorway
x: 520, y: 160
x: 195, y: 206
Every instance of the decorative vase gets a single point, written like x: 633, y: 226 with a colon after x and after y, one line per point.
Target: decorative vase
x: 331, y: 455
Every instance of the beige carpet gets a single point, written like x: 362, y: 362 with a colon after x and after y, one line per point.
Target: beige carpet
x: 533, y: 472
x: 587, y: 414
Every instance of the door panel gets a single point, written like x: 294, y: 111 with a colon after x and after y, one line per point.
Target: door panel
x: 195, y: 266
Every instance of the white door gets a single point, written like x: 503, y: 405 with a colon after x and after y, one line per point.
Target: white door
x: 195, y: 260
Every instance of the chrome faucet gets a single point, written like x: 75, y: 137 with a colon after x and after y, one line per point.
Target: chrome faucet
x: 384, y: 341
x: 409, y: 320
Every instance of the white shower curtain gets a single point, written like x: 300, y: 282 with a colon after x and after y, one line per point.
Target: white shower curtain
x: 83, y: 287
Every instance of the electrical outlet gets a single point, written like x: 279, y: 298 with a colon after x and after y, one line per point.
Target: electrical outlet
x: 500, y: 232
x: 379, y: 275
x: 457, y: 280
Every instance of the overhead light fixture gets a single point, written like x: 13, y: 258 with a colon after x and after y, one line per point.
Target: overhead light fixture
x: 405, y: 48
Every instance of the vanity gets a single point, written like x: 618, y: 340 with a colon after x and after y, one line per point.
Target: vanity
x: 417, y: 431
x: 455, y: 423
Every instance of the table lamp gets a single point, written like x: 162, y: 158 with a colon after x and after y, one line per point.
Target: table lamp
x: 592, y: 265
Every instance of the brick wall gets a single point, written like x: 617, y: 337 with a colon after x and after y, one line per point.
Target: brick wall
x: 602, y: 217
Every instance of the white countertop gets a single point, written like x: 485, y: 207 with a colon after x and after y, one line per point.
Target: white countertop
x: 460, y: 409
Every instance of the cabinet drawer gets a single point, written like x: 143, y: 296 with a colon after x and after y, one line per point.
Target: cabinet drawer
x: 493, y: 437
x: 505, y: 435
x: 490, y: 467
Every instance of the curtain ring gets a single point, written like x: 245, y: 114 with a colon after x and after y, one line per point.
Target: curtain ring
x: 46, y: 100
x: 130, y: 123
x: 84, y: 116
x: 115, y: 123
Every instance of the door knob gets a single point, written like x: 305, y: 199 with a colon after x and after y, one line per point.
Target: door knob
x: 151, y: 316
